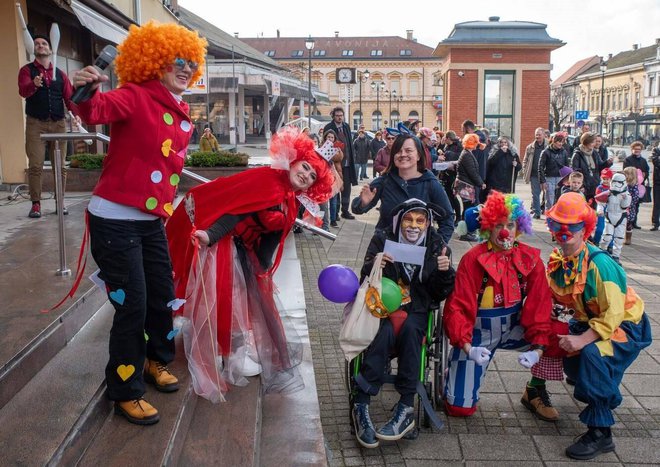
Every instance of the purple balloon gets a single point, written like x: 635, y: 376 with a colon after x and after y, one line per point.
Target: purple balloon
x: 338, y: 283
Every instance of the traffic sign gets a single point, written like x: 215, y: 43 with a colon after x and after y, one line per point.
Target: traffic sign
x: 581, y: 114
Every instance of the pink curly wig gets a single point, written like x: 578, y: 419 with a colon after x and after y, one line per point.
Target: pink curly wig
x: 150, y: 48
x: 291, y: 144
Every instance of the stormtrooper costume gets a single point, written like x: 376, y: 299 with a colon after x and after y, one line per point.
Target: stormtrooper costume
x: 613, y: 206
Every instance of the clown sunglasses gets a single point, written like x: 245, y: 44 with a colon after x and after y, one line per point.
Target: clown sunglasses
x: 180, y: 64
x: 555, y: 226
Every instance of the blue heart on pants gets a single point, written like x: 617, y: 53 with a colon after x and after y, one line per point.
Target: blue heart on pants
x: 118, y: 296
x: 172, y: 334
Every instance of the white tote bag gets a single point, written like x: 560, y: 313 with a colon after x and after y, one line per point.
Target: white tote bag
x: 360, y: 326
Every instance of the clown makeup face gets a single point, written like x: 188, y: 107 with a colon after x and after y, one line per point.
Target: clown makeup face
x: 302, y: 175
x: 413, y: 225
x: 177, y: 76
x: 569, y: 236
x: 503, y: 235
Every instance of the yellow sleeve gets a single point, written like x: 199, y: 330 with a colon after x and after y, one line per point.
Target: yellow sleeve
x: 611, y: 303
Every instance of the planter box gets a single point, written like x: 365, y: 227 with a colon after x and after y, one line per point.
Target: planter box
x: 86, y: 179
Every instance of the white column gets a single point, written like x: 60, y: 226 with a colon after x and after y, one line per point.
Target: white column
x: 267, y: 119
x: 232, y: 118
x: 302, y: 112
x: 241, y: 114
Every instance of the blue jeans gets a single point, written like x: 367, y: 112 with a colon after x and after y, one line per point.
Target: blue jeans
x: 536, y: 195
x: 334, y: 207
x: 550, y: 191
x: 361, y: 170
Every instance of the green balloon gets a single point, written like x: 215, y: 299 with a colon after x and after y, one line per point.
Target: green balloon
x: 390, y: 295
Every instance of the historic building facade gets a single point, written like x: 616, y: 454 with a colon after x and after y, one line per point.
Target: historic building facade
x: 396, y: 78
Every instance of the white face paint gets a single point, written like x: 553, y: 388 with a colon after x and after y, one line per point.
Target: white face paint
x: 413, y: 225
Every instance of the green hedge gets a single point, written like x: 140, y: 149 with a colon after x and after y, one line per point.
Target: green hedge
x: 219, y: 159
x: 87, y: 161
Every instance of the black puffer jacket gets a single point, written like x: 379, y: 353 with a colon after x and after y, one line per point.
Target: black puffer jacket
x: 468, y: 169
x: 655, y: 161
x: 361, y: 150
x: 580, y: 163
x: 500, y: 170
x: 552, y: 160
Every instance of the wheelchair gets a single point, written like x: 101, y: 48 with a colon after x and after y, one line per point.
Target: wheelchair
x: 432, y: 375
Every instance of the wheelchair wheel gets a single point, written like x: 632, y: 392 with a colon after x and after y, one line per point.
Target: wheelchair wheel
x: 441, y: 356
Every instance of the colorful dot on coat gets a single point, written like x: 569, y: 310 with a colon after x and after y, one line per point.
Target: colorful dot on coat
x: 156, y: 176
x: 167, y: 118
x: 168, y: 208
x: 151, y: 203
x: 166, y: 147
x: 185, y: 125
x: 174, y: 179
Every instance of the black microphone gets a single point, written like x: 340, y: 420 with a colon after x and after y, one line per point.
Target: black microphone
x: 105, y: 58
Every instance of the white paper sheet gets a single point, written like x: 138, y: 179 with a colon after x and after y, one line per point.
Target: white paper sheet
x: 403, y: 253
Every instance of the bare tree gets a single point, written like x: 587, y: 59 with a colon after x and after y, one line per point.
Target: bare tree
x: 560, y: 100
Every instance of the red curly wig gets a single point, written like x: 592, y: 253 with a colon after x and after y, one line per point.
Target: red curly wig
x: 291, y: 144
x: 150, y: 48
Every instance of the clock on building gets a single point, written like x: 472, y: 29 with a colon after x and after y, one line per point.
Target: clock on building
x: 345, y: 75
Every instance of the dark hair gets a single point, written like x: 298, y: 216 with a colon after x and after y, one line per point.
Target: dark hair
x: 396, y: 148
x: 469, y: 125
x: 326, y: 133
x: 339, y: 108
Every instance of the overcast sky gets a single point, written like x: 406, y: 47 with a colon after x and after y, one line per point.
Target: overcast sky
x: 588, y: 27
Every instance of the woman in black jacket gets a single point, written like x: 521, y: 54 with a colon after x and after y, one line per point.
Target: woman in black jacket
x: 588, y: 163
x: 655, y: 161
x: 451, y: 149
x: 467, y: 170
x: 553, y: 158
x: 502, y: 167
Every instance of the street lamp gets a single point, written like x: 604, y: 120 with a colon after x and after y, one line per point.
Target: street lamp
x: 392, y: 95
x: 377, y: 86
x: 309, y: 45
x: 603, y: 69
x: 364, y: 77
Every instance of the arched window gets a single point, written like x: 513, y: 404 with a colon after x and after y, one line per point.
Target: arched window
x: 357, y: 119
x: 395, y: 118
x: 413, y: 115
x: 376, y: 120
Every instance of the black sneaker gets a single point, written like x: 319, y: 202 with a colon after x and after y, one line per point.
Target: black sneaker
x: 35, y: 211
x: 364, y: 429
x: 297, y: 229
x: 334, y: 224
x: 591, y: 444
x: 635, y: 226
x: 401, y: 423
x: 537, y: 216
x: 347, y: 215
x: 469, y: 238
x: 654, y: 228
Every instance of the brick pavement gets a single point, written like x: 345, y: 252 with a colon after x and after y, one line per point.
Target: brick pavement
x: 502, y: 431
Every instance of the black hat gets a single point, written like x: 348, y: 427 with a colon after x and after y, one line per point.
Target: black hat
x: 41, y: 36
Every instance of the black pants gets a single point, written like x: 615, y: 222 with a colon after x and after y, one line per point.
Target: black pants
x: 655, y: 214
x: 135, y: 264
x: 346, y: 190
x: 408, y: 348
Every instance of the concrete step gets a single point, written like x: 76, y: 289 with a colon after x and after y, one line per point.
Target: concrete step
x: 227, y: 433
x: 119, y: 442
x: 41, y: 415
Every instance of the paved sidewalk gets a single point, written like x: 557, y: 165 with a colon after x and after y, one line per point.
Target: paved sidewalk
x: 502, y: 431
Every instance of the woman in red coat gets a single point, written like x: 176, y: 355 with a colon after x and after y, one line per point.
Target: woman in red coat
x: 237, y: 224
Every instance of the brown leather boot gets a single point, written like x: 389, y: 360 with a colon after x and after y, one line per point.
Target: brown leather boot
x: 137, y: 411
x: 628, y: 239
x: 160, y: 376
x: 537, y: 400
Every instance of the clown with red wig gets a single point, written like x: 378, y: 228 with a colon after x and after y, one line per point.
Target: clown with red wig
x: 501, y: 300
x: 238, y: 226
x: 608, y: 329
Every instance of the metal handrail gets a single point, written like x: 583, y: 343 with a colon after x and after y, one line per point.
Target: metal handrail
x: 59, y: 196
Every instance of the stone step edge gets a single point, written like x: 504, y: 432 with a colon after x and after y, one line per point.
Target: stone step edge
x: 28, y: 361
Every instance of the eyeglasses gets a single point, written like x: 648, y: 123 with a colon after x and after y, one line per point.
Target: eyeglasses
x: 555, y: 226
x: 390, y: 137
x: 180, y: 64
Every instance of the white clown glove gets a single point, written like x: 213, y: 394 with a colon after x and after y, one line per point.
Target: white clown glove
x: 528, y: 359
x: 479, y: 355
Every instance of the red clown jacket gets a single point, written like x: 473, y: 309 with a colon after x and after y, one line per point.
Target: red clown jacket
x: 149, y: 134
x: 501, y: 269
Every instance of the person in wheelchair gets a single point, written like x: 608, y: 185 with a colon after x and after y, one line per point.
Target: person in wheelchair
x: 501, y: 300
x: 421, y: 285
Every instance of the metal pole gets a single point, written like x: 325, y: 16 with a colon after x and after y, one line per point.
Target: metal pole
x: 360, y: 88
x: 602, y: 99
x: 208, y: 90
x: 309, y: 65
x: 59, y: 202
x: 378, y: 107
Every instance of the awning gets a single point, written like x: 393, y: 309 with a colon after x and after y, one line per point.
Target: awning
x: 97, y: 24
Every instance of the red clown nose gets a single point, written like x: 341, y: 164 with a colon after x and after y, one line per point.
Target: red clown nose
x: 504, y: 234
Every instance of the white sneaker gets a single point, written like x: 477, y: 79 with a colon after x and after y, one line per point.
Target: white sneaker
x: 250, y: 367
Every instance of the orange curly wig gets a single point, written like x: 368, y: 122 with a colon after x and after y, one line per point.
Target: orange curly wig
x: 149, y: 48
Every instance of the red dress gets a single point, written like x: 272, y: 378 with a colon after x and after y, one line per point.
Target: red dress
x: 229, y: 293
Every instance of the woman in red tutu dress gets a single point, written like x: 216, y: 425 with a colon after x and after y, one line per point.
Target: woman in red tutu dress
x: 238, y: 226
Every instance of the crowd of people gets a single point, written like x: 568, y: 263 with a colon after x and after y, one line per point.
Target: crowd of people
x: 211, y: 259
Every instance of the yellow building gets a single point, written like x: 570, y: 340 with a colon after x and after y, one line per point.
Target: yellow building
x: 85, y: 27
x: 396, y: 79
